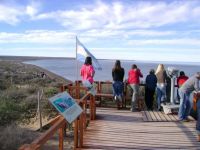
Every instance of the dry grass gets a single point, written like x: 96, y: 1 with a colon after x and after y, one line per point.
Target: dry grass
x: 12, y: 137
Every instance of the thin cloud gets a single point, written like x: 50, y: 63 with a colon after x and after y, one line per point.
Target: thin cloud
x: 181, y: 42
x: 38, y: 36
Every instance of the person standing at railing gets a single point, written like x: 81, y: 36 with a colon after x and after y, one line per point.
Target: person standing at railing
x: 196, y: 107
x: 180, y: 80
x: 192, y: 84
x: 150, y: 86
x: 87, y: 73
x: 134, y: 75
x: 118, y: 84
x: 161, y: 85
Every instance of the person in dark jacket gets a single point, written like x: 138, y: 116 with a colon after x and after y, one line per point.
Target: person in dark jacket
x: 118, y: 85
x: 150, y: 87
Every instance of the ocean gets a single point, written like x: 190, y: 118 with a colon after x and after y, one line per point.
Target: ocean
x: 69, y: 68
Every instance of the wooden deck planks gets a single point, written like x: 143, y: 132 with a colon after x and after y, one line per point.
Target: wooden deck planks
x: 158, y: 116
x: 128, y: 130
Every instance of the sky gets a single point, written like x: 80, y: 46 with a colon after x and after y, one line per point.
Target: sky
x: 151, y: 30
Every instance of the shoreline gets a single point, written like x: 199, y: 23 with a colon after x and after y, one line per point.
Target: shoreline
x: 49, y: 73
x: 32, y: 58
x: 23, y: 59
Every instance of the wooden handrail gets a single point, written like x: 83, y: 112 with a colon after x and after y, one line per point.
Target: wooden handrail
x: 36, y: 144
x: 59, y: 123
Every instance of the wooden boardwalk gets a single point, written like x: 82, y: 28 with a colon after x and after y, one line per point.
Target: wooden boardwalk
x: 158, y: 116
x: 122, y: 129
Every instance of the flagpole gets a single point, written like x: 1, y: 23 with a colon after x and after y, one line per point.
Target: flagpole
x: 76, y: 62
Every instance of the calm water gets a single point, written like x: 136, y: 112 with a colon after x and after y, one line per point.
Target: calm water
x: 67, y: 68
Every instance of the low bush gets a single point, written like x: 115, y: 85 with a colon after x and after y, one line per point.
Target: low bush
x: 9, y: 111
x: 12, y: 137
x: 15, y: 93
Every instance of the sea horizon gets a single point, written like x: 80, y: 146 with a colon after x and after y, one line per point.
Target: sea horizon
x: 69, y: 67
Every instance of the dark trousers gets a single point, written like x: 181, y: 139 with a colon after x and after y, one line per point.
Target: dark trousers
x: 149, y: 93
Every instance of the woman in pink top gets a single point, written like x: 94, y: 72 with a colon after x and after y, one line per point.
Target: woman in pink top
x: 87, y: 73
x: 134, y: 80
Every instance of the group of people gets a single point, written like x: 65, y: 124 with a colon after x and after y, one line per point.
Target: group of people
x: 156, y: 81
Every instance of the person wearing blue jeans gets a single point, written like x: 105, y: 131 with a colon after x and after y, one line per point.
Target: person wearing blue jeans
x: 161, y: 76
x: 192, y: 84
x: 160, y: 94
x: 118, y: 85
x: 185, y: 105
x: 118, y: 88
x: 198, y: 119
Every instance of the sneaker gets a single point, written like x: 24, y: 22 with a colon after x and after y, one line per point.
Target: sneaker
x: 115, y: 98
x: 133, y: 110
x: 184, y: 120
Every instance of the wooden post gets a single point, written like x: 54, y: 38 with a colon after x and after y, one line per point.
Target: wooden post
x: 84, y: 121
x: 75, y: 133
x: 77, y: 89
x: 81, y: 130
x: 91, y: 108
x: 125, y: 93
x: 100, y: 91
x: 94, y: 107
x: 61, y: 88
x: 61, y: 138
x: 39, y: 110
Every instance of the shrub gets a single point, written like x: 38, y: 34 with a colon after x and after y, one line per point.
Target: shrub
x: 9, y: 111
x: 3, y: 85
x: 49, y: 92
x: 12, y: 137
x: 32, y: 89
x: 15, y: 94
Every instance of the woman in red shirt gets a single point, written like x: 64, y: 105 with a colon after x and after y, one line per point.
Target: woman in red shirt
x: 134, y: 80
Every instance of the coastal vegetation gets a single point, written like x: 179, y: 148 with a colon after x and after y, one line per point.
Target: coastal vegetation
x: 19, y: 87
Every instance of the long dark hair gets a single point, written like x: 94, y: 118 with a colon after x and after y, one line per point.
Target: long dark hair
x: 88, y: 60
x: 134, y: 66
x: 117, y: 65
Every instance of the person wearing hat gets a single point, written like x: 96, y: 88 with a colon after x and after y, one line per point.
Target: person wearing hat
x: 192, y: 84
x: 150, y: 86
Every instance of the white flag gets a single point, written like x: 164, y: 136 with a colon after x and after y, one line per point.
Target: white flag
x: 82, y: 53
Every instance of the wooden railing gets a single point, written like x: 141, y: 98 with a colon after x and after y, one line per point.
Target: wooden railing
x: 59, y: 124
x: 104, y: 89
x: 80, y: 124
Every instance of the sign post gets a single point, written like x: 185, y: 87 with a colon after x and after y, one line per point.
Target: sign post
x: 66, y: 105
